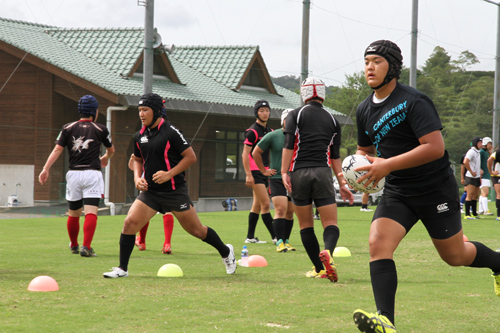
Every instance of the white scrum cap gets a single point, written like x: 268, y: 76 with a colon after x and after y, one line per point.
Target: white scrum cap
x: 284, y: 114
x: 312, y: 87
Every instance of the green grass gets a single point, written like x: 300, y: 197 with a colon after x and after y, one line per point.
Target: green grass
x: 432, y: 297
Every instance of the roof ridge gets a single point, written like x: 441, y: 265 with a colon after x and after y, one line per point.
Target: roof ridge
x: 218, y: 46
x: 94, y: 29
x: 27, y: 23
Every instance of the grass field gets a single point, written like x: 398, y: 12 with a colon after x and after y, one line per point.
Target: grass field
x: 432, y: 297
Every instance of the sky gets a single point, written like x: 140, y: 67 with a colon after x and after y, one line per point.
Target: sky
x: 340, y: 30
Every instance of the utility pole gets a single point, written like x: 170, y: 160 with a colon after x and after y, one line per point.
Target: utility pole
x: 148, y: 46
x: 496, y: 94
x: 414, y: 35
x: 304, y: 73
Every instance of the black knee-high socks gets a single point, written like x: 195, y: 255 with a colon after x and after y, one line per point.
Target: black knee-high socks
x: 384, y: 279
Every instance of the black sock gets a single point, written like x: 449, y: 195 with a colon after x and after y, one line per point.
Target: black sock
x: 486, y: 257
x: 365, y: 206
x: 252, y: 224
x: 127, y: 243
x: 214, y: 240
x: 311, y: 245
x: 473, y: 204
x: 279, y: 228
x: 288, y: 228
x: 467, y: 207
x: 268, y: 222
x: 331, y: 236
x: 384, y: 283
x: 497, y: 204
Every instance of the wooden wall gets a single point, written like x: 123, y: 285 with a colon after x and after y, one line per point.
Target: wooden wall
x: 35, y: 104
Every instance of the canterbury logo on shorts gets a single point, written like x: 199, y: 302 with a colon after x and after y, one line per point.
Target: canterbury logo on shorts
x: 441, y: 208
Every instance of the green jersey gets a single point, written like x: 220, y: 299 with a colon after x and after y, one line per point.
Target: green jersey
x: 274, y: 141
x: 484, y: 165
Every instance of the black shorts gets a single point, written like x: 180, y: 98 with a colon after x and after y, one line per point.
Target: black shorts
x: 277, y: 188
x: 312, y: 184
x: 439, y: 209
x: 259, y: 178
x: 165, y: 202
x: 495, y: 180
x: 472, y: 181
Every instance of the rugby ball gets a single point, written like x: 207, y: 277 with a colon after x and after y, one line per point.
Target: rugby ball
x: 353, y: 162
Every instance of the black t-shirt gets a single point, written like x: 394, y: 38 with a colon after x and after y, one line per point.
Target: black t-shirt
x: 252, y: 137
x: 161, y: 149
x: 394, y: 127
x: 83, y: 139
x: 316, y: 132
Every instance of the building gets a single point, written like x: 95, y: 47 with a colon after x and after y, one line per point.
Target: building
x: 209, y: 92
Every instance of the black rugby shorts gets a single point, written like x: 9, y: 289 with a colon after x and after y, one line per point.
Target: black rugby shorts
x: 165, y: 202
x: 259, y: 178
x: 472, y: 181
x: 439, y: 209
x: 310, y: 184
x: 277, y: 188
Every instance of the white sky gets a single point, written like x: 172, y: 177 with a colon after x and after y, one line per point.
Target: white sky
x: 340, y: 30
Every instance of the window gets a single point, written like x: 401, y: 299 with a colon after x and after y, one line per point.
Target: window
x: 228, y: 149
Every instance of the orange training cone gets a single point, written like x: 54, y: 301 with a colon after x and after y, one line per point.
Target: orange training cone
x: 43, y: 283
x: 257, y: 261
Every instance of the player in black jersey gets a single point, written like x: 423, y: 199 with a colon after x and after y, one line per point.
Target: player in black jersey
x: 312, y: 142
x: 85, y: 186
x: 401, y: 126
x: 254, y: 178
x: 162, y: 154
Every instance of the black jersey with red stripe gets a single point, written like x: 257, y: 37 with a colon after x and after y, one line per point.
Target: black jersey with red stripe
x: 83, y: 139
x: 161, y: 149
x: 252, y: 137
x: 316, y: 132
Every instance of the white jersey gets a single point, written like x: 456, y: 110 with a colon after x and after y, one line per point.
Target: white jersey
x: 474, y: 162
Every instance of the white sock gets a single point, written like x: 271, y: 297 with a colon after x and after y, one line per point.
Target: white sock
x: 483, y: 204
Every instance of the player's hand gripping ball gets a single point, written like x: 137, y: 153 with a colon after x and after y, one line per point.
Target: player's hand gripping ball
x: 355, y: 161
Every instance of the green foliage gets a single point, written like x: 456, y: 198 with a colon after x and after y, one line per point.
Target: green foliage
x: 432, y: 296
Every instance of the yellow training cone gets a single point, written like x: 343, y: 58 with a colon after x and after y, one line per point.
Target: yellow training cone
x: 341, y: 251
x: 170, y: 270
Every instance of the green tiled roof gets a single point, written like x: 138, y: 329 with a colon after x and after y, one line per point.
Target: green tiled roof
x: 225, y: 64
x: 116, y: 49
x: 105, y: 57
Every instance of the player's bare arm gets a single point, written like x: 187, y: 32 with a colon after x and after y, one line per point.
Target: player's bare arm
x: 490, y: 162
x: 188, y: 159
x: 343, y: 189
x: 467, y: 166
x: 286, y: 159
x: 109, y: 153
x: 140, y: 183
x: 249, y: 181
x: 257, y: 157
x: 54, y: 155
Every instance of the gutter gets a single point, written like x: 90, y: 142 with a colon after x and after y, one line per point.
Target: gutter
x: 111, y: 205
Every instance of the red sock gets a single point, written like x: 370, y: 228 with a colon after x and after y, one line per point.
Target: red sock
x: 143, y: 233
x: 168, y: 227
x: 89, y: 229
x: 73, y: 226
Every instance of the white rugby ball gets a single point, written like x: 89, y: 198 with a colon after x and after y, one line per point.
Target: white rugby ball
x: 356, y: 161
